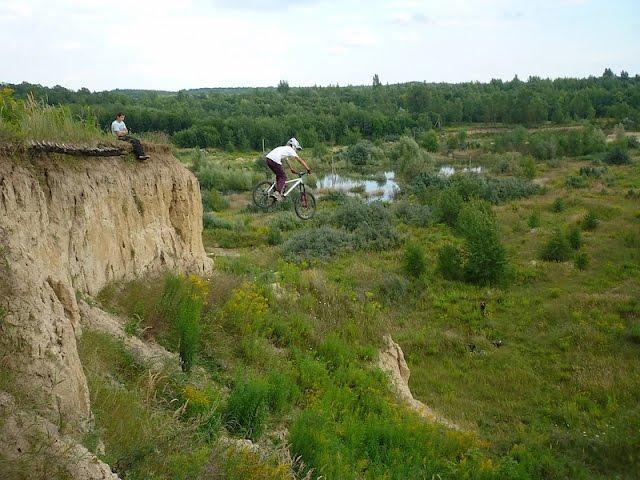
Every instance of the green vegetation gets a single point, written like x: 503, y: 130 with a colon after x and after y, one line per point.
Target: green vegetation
x: 414, y: 262
x: 35, y: 120
x: 239, y: 119
x: 590, y: 221
x: 557, y: 248
x: 279, y: 346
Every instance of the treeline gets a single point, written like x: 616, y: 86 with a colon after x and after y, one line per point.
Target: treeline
x: 242, y: 119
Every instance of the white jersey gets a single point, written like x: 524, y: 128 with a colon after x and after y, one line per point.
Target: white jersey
x: 280, y: 153
x: 117, y: 126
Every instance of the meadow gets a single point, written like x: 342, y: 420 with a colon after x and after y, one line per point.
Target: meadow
x: 280, y: 345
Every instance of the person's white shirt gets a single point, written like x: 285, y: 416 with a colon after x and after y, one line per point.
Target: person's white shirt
x: 117, y: 126
x: 280, y: 153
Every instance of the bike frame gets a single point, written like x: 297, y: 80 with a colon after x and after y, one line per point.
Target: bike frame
x: 295, y: 182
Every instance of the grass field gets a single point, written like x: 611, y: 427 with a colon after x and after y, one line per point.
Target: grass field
x: 545, y: 383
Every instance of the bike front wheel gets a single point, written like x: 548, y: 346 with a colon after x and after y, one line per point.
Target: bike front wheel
x: 305, y: 205
x: 262, y: 195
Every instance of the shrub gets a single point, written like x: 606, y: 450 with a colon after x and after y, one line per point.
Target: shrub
x: 576, y: 181
x: 274, y: 235
x: 335, y: 352
x: 429, y: 141
x: 486, y: 257
x: 213, y: 200
x: 316, y: 243
x: 575, y: 238
x: 634, y: 333
x: 363, y: 153
x: 451, y: 262
x: 414, y: 214
x: 582, y: 260
x: 407, y: 157
x: 558, y: 205
x: 617, y: 155
x: 370, y: 223
x: 528, y: 167
x: 285, y: 222
x: 557, y: 249
x: 534, y: 219
x: 282, y: 390
x: 592, y: 172
x: 247, y: 408
x: 181, y: 303
x: 244, y: 311
x: 392, y: 288
x: 590, y: 221
x: 209, y: 221
x: 226, y: 180
x: 449, y: 204
x: 414, y: 263
x: 473, y: 185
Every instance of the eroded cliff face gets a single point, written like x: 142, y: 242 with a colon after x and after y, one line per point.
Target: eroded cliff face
x: 68, y: 226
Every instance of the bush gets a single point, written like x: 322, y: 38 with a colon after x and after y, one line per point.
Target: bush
x: 592, y: 172
x: 557, y: 249
x: 486, y: 257
x: 472, y: 185
x: 181, y: 303
x: 209, y: 221
x: 449, y: 204
x: 528, y: 167
x: 451, y: 262
x: 274, y: 235
x: 316, y: 243
x: 363, y: 153
x: 575, y: 238
x: 370, y: 224
x: 414, y: 214
x: 213, y: 200
x: 590, y: 221
x: 392, y: 288
x: 407, y: 157
x: 534, y: 219
x: 582, y: 260
x: 335, y: 352
x: 617, y: 155
x: 558, y: 205
x: 414, y: 263
x: 576, y: 181
x: 430, y: 141
x: 247, y: 408
x: 226, y: 180
x: 634, y: 333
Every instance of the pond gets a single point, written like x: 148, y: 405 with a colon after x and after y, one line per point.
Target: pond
x: 382, y: 188
x: 448, y: 170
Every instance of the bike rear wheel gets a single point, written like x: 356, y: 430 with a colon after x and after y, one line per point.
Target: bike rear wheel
x: 305, y: 205
x: 262, y: 195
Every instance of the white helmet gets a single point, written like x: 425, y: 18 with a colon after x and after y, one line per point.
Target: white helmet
x: 294, y: 143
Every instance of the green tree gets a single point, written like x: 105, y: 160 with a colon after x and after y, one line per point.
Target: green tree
x: 414, y: 262
x: 429, y: 141
x: 283, y: 86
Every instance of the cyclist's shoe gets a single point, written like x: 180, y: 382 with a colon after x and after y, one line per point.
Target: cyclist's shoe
x: 278, y: 196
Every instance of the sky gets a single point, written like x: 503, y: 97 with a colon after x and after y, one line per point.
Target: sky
x: 182, y: 44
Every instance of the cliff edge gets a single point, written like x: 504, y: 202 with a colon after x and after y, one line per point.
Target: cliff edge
x: 68, y: 226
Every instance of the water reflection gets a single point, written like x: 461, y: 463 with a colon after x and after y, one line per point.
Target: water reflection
x: 383, y: 187
x: 448, y: 170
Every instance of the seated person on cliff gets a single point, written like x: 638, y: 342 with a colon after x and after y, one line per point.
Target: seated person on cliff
x: 119, y: 129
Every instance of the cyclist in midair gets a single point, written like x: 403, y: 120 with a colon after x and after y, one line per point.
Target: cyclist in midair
x: 274, y: 161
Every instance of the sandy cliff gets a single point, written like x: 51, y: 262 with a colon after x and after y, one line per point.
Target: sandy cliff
x: 68, y: 226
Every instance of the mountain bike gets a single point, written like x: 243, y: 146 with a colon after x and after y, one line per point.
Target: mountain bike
x: 304, y: 203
